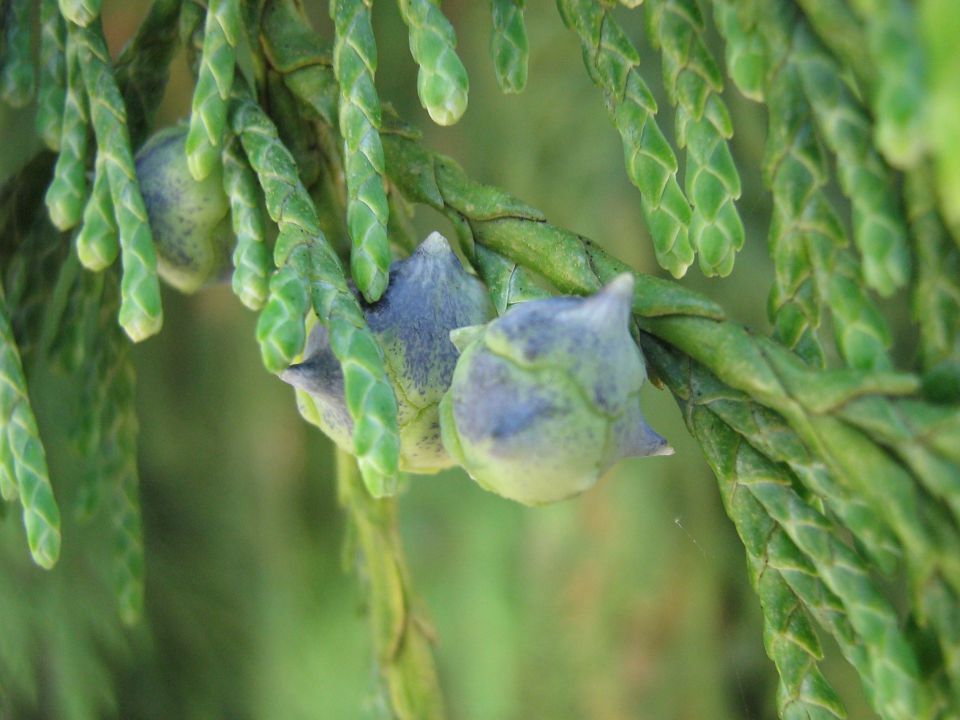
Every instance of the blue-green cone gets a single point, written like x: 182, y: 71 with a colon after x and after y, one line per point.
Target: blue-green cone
x: 429, y: 295
x: 189, y: 219
x: 547, y: 398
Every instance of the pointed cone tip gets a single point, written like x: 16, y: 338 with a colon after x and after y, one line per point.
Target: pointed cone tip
x: 464, y: 336
x: 621, y: 287
x: 649, y: 443
x: 293, y: 375
x: 435, y: 244
x: 661, y: 447
x: 614, y: 300
x: 664, y: 450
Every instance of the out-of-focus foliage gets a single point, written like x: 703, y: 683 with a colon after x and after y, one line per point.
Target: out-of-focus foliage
x: 261, y: 568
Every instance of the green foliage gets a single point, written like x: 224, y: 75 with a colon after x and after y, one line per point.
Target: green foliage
x: 80, y: 12
x: 508, y: 45
x: 208, y: 120
x: 898, y: 84
x: 936, y: 19
x: 17, y: 72
x: 813, y: 270
x: 613, y: 64
x: 97, y: 242
x: 694, y: 82
x: 140, y: 312
x: 66, y: 193
x: 936, y: 294
x: 310, y: 272
x: 119, y: 470
x: 878, y: 226
x: 143, y: 67
x: 51, y: 90
x: 355, y: 63
x: 21, y: 451
x: 837, y: 463
x: 442, y: 82
x: 251, y: 257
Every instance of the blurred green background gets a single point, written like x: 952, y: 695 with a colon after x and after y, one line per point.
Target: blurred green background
x: 630, y: 602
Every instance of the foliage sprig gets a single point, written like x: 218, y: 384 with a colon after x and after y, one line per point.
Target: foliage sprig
x: 613, y: 64
x: 442, y: 82
x: 97, y: 242
x: 879, y: 229
x: 813, y: 270
x: 309, y: 273
x: 208, y: 120
x: 355, y: 63
x: 24, y: 470
x: 51, y: 88
x: 694, y: 82
x: 17, y: 72
x: 141, y: 314
x: 509, y: 45
x: 251, y: 257
x: 753, y: 487
x: 891, y: 30
x: 67, y: 192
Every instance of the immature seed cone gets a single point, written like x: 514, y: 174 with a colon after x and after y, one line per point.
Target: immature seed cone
x: 429, y: 294
x: 189, y: 219
x: 547, y: 398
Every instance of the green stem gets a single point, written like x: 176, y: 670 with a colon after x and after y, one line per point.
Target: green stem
x: 401, y: 642
x: 302, y: 57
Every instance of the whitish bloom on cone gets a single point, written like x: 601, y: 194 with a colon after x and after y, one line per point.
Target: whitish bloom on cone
x: 547, y: 398
x: 429, y: 294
